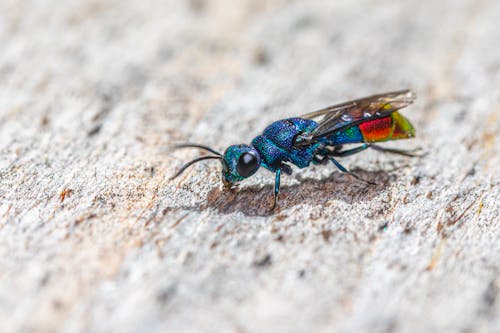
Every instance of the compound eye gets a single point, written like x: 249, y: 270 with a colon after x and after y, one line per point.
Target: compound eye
x: 247, y: 164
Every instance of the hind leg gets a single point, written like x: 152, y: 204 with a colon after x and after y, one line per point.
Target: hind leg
x: 408, y: 153
x: 345, y: 153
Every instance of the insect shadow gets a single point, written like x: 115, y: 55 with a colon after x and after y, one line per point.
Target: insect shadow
x: 255, y: 200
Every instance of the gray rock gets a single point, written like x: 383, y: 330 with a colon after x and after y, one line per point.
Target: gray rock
x: 94, y: 237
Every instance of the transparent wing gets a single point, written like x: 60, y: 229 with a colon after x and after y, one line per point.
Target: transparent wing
x: 340, y: 116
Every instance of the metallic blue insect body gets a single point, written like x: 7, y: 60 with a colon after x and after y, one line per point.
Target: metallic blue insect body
x: 301, y: 140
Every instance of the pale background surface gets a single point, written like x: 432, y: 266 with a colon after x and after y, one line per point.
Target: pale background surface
x: 94, y: 237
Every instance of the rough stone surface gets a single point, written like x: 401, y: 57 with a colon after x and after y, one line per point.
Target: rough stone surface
x: 94, y: 237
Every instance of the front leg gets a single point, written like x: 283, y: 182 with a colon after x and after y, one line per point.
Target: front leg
x: 276, y: 187
x: 286, y: 169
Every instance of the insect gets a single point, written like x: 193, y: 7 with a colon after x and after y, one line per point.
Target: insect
x: 318, y: 137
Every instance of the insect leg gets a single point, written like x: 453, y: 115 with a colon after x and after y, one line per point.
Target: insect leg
x: 320, y: 159
x: 343, y: 169
x: 349, y: 152
x: 337, y: 148
x: 409, y: 153
x: 276, y: 188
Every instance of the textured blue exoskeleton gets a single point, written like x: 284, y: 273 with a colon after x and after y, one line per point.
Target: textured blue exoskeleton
x: 317, y: 138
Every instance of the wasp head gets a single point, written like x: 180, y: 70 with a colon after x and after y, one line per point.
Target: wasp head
x: 240, y: 162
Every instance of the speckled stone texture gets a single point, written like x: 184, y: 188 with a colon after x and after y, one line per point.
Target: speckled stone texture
x: 94, y: 237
